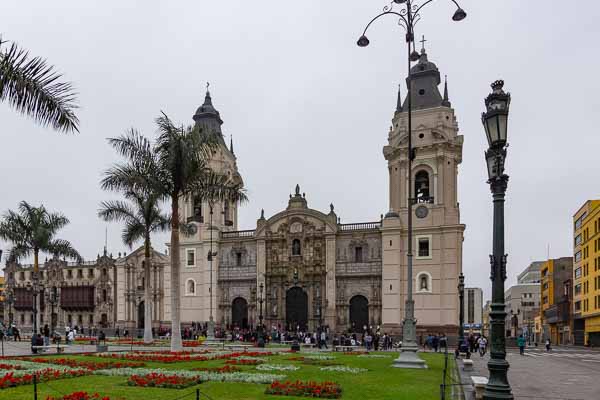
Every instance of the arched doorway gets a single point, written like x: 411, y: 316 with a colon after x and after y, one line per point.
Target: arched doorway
x: 359, y: 313
x: 141, y: 315
x: 239, y: 313
x: 296, y: 308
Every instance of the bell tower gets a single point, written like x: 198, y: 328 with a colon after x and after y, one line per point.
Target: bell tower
x: 200, y: 251
x: 437, y: 230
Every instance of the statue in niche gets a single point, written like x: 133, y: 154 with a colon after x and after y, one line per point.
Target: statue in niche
x: 274, y: 310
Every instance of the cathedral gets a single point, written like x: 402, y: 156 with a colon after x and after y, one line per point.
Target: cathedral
x: 301, y: 267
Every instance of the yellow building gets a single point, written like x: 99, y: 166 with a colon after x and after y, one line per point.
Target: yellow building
x: 586, y: 273
x: 2, y: 288
x: 556, y: 296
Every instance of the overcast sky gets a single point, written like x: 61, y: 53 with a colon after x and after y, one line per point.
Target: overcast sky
x: 306, y: 105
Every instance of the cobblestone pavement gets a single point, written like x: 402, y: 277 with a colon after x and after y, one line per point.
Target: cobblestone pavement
x: 563, y: 373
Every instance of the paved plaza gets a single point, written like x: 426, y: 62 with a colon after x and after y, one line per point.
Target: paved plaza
x: 563, y: 373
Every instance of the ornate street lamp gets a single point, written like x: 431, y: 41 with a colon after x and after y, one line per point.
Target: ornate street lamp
x: 52, y: 298
x: 210, y: 334
x: 10, y: 299
x: 461, y: 311
x: 408, y: 16
x: 495, y: 123
x: 260, y: 310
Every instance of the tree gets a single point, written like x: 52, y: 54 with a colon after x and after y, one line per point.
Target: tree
x: 32, y: 87
x: 32, y: 230
x: 141, y: 213
x: 181, y: 157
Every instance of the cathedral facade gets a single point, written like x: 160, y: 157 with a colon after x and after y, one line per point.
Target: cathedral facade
x: 301, y: 267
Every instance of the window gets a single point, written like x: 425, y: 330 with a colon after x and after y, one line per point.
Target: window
x: 80, y: 319
x: 578, y: 256
x: 578, y: 306
x: 358, y: 254
x: 577, y: 289
x: 70, y: 319
x: 104, y: 272
x: 104, y: 295
x: 577, y: 240
x: 578, y: 273
x: 90, y: 273
x: 91, y: 319
x: 238, y: 258
x: 21, y: 276
x: 80, y: 273
x: 296, y: 248
x: 190, y: 287
x: 545, y: 300
x: 70, y: 274
x: 579, y: 220
x: 190, y: 257
x: 22, y: 319
x: 423, y: 246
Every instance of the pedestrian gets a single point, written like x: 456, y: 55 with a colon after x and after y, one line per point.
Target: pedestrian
x: 548, y: 345
x: 521, y: 344
x: 482, y: 345
x: 117, y: 333
x: 443, y: 342
x: 46, y: 335
x: 435, y: 341
x: 323, y: 339
x: 16, y: 334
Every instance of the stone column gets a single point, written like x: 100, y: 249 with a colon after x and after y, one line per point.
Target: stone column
x: 329, y: 292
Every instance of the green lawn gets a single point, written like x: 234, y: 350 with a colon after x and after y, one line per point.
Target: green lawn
x: 380, y: 382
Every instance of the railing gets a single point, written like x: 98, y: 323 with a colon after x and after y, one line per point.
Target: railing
x: 238, y: 234
x: 69, y: 264
x: 360, y: 226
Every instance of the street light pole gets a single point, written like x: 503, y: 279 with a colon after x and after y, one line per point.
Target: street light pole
x: 495, y: 121
x: 210, y: 334
x: 260, y: 311
x: 408, y: 16
x: 461, y: 311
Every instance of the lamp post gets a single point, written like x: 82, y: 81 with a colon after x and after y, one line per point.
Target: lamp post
x: 210, y: 334
x: 260, y: 310
x: 10, y: 299
x: 461, y: 311
x: 495, y: 123
x: 409, y: 14
x: 52, y: 297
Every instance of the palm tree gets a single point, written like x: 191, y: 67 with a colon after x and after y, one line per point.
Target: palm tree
x: 32, y: 230
x: 142, y: 216
x: 180, y: 167
x: 32, y: 87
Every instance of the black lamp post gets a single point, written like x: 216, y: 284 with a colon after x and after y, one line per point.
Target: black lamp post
x: 495, y: 123
x: 10, y: 299
x: 52, y: 297
x: 409, y: 14
x: 461, y: 311
x: 260, y: 309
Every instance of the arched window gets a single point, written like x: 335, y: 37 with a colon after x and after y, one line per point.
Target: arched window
x: 190, y: 287
x: 104, y: 295
x: 423, y: 282
x: 422, y: 194
x: 296, y: 248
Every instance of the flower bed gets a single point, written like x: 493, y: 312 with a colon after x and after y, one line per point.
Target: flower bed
x: 202, y: 375
x: 79, y: 396
x: 12, y: 380
x: 91, y: 365
x: 10, y: 366
x: 162, y: 381
x: 325, y: 390
x: 343, y: 368
x: 243, y: 361
x: 277, y: 367
x: 192, y: 343
x: 219, y: 370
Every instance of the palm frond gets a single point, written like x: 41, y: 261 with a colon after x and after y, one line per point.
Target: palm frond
x: 116, y: 210
x: 33, y: 88
x: 132, y: 232
x: 64, y: 248
x: 19, y: 252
